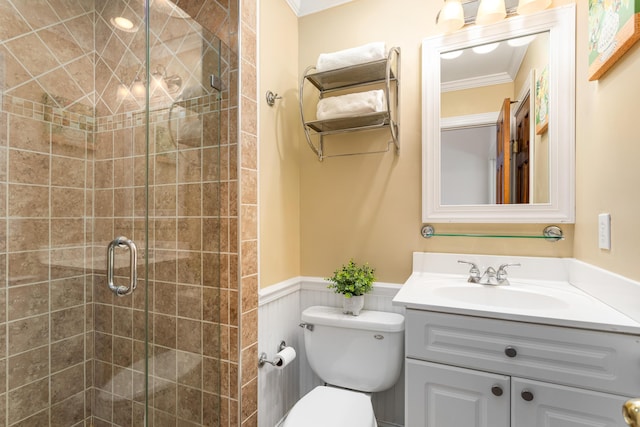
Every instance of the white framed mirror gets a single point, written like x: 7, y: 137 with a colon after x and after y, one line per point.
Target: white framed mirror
x: 475, y: 167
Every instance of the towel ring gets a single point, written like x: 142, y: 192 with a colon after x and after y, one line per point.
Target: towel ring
x: 271, y: 98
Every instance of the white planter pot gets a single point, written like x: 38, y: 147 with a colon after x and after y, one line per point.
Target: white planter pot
x: 353, y: 305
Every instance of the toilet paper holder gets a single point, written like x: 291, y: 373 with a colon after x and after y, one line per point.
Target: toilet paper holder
x: 265, y: 359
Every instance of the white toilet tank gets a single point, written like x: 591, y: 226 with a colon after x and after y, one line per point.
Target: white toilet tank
x: 362, y: 352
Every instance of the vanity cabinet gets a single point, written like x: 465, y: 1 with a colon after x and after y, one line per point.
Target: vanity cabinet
x: 471, y: 371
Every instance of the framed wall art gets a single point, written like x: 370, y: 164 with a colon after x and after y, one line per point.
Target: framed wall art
x: 614, y: 26
x: 542, y: 102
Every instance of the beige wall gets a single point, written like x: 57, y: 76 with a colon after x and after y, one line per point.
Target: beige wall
x: 368, y: 207
x: 607, y: 151
x: 279, y: 144
x: 486, y: 99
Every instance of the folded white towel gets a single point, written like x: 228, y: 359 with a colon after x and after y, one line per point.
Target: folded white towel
x: 355, y: 55
x: 351, y: 104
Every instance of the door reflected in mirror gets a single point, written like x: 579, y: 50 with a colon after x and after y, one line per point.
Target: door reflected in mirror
x: 490, y: 150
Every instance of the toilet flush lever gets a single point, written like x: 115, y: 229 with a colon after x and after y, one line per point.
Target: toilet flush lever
x: 308, y: 326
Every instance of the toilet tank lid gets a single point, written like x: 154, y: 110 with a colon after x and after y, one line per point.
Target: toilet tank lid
x: 367, y: 320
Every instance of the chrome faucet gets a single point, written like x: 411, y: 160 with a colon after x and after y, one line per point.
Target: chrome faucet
x: 501, y: 274
x: 474, y: 271
x: 493, y: 277
x: 490, y: 275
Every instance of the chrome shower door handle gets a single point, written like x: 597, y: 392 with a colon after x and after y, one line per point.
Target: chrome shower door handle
x: 122, y: 242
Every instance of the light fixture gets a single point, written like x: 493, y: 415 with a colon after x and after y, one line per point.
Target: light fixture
x: 158, y: 81
x: 485, y: 48
x: 451, y: 16
x: 452, y: 55
x: 455, y: 14
x: 526, y: 7
x: 138, y: 89
x: 491, y: 11
x: 123, y: 24
x: 170, y: 84
x: 160, y: 85
x: 123, y: 91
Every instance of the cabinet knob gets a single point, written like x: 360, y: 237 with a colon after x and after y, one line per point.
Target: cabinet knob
x: 631, y: 412
x: 527, y: 395
x: 510, y: 351
x: 497, y: 391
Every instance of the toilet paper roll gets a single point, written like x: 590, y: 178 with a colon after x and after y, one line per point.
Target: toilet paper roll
x: 284, y: 357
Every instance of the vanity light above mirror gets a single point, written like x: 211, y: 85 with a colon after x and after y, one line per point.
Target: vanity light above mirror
x: 542, y: 87
x: 456, y: 13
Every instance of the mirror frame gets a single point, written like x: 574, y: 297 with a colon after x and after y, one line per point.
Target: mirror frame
x: 560, y: 23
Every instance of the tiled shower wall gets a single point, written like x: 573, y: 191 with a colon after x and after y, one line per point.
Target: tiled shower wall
x: 46, y: 319
x: 51, y: 53
x: 46, y: 132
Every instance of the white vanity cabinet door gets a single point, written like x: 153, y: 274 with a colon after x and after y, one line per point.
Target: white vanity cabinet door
x: 445, y: 396
x: 554, y: 405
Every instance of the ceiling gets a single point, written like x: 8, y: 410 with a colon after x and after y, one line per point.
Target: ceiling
x: 475, y: 70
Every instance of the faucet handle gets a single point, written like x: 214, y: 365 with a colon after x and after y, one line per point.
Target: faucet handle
x: 501, y: 275
x: 474, y: 271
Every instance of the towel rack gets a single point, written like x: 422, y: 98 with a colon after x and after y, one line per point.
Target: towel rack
x: 384, y: 72
x: 551, y: 233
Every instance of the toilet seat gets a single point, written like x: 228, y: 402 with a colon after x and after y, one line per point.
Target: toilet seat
x: 329, y: 406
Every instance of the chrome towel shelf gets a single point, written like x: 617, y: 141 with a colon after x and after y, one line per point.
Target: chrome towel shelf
x: 385, y: 72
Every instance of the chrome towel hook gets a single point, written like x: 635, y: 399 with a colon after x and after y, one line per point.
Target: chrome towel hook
x: 271, y: 98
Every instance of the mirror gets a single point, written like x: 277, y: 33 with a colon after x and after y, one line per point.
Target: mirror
x: 498, y: 144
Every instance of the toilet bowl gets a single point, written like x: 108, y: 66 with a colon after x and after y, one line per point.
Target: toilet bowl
x: 355, y: 356
x: 330, y: 406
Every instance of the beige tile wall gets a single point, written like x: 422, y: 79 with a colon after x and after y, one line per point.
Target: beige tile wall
x: 248, y: 221
x: 54, y: 215
x: 45, y: 293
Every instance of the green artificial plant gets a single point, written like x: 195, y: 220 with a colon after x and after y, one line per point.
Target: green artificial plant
x: 352, y: 280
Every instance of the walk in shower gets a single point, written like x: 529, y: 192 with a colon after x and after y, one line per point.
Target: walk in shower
x: 114, y: 117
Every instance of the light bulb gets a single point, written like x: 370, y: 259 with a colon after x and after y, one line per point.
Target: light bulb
x: 526, y: 7
x: 138, y: 90
x: 485, y: 48
x: 451, y: 16
x: 490, y: 11
x: 123, y: 24
x: 123, y: 92
x: 451, y: 55
x: 158, y: 81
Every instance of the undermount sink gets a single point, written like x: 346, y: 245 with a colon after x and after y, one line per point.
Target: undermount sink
x: 503, y: 296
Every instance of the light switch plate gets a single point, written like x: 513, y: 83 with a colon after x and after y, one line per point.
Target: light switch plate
x: 604, y: 231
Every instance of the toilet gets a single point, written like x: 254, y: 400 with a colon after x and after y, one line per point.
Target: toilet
x: 355, y: 356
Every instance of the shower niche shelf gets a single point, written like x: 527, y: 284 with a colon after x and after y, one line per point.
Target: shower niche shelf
x: 384, y: 73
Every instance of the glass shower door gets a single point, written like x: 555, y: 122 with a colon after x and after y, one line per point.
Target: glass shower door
x: 184, y: 209
x: 157, y: 183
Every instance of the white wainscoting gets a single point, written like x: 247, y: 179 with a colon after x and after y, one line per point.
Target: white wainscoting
x: 278, y: 319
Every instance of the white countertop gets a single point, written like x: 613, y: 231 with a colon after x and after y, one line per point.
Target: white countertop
x: 533, y: 300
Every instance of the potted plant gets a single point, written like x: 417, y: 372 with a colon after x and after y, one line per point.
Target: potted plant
x: 352, y: 281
